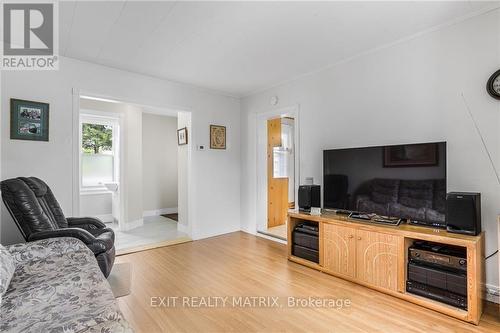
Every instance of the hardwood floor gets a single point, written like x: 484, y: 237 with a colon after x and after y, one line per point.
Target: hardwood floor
x: 240, y: 264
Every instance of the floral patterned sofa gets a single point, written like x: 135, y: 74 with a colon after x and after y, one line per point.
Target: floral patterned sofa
x: 55, y: 285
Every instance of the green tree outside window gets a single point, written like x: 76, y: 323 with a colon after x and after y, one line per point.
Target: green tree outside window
x: 97, y: 139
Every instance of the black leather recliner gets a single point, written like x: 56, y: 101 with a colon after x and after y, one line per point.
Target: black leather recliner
x: 38, y: 215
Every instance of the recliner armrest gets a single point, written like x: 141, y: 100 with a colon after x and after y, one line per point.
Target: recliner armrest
x: 94, y: 244
x: 85, y: 223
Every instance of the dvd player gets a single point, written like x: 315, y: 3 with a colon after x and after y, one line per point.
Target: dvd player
x: 449, y: 257
x: 437, y: 294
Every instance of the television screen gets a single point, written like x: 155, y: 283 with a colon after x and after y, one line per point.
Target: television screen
x: 405, y: 181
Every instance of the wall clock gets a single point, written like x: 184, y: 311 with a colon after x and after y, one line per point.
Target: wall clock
x: 493, y: 85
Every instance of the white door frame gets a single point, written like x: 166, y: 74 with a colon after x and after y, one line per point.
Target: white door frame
x: 261, y: 167
x: 161, y: 110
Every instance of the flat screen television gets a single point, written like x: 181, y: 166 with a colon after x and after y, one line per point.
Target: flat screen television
x: 405, y: 181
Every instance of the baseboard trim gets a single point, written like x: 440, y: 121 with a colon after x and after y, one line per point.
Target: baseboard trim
x: 493, y: 293
x: 131, y: 225
x: 161, y: 211
x: 106, y: 218
x: 215, y: 233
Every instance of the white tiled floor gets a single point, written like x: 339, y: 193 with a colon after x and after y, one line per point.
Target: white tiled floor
x: 156, y: 229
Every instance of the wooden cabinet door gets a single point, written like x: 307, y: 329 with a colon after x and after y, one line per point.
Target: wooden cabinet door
x: 377, y: 259
x: 339, y: 249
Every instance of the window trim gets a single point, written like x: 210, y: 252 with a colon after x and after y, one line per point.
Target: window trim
x: 99, y: 118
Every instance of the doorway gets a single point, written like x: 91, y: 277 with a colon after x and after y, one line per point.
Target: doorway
x: 128, y: 172
x: 280, y: 174
x: 277, y: 148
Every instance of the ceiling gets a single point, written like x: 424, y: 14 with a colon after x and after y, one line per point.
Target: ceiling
x: 240, y: 47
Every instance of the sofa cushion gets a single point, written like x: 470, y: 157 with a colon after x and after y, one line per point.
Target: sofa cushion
x: 7, y: 268
x: 24, y: 253
x: 385, y: 191
x: 416, y: 193
x: 63, y: 290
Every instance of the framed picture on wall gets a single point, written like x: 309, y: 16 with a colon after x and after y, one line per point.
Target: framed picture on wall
x: 182, y: 136
x: 217, y: 137
x: 425, y: 154
x: 29, y: 120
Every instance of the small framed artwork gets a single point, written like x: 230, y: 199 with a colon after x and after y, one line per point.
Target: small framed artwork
x: 182, y: 136
x: 415, y: 155
x: 29, y: 120
x: 217, y: 137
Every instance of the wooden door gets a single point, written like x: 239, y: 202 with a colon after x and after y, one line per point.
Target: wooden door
x: 277, y: 188
x: 339, y: 249
x: 377, y: 258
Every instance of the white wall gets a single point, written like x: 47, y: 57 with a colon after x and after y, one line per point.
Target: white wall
x: 132, y: 169
x: 159, y: 162
x: 212, y: 171
x: 96, y: 205
x: 408, y: 92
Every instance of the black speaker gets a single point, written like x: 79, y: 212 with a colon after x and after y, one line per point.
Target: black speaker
x: 309, y: 196
x: 335, y: 191
x: 463, y: 213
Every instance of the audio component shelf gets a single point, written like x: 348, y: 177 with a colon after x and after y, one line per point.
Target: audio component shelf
x: 376, y: 256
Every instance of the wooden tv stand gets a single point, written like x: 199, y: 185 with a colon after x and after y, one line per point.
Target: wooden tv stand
x: 376, y: 256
